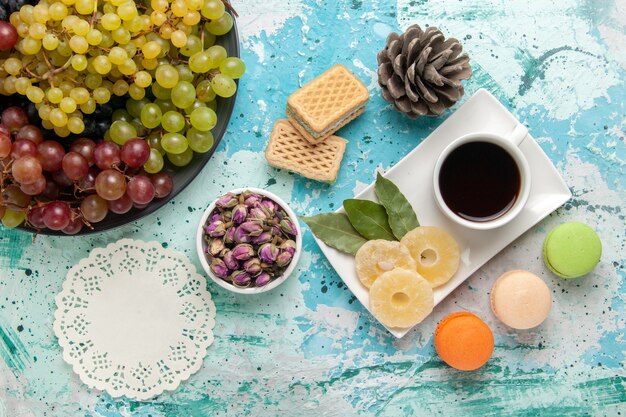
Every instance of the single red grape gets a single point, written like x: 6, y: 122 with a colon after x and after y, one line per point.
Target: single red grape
x: 121, y: 205
x: 23, y: 148
x: 85, y: 147
x: 6, y: 131
x: 57, y: 215
x: 163, y: 184
x: 106, y: 154
x: 8, y: 36
x: 135, y: 153
x: 36, y: 187
x: 74, y: 226
x: 35, y: 217
x: 94, y: 208
x: 140, y: 189
x: 52, y: 190
x: 110, y: 184
x: 30, y: 132
x: 75, y: 165
x: 14, y: 117
x: 51, y: 155
x: 26, y: 170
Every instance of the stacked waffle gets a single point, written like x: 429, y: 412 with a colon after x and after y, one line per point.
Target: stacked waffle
x: 305, y: 142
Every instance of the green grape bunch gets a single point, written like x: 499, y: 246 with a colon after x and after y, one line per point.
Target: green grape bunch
x: 72, y: 55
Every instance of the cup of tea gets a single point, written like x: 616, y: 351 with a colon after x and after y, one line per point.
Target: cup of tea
x: 482, y: 180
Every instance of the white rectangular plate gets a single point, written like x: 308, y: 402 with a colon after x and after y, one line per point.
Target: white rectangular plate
x: 414, y: 176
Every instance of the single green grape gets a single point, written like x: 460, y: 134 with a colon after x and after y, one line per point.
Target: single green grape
x: 183, y: 94
x: 174, y: 143
x: 142, y: 131
x: 151, y: 115
x: 220, y: 26
x: 184, y: 73
x: 13, y: 218
x: 198, y: 141
x: 217, y: 53
x: 203, y: 119
x: 173, y: 121
x: 233, y: 67
x: 200, y: 62
x: 204, y: 92
x: 213, y: 9
x: 154, y: 163
x: 165, y: 105
x: 122, y: 131
x: 223, y: 85
x: 181, y: 159
x: 167, y: 76
x: 160, y: 92
x: 193, y: 46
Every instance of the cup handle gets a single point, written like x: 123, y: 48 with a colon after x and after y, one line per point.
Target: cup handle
x: 518, y: 134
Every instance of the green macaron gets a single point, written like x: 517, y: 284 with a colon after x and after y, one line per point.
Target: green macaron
x: 572, y: 250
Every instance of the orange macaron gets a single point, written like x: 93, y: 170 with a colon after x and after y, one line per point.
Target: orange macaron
x: 464, y: 341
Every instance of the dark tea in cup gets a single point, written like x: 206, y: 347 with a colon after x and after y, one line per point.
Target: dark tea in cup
x: 479, y: 181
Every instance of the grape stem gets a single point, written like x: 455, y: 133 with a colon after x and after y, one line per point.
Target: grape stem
x: 230, y: 7
x: 94, y: 16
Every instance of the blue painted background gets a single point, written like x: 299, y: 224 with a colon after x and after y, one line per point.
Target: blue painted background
x: 309, y: 348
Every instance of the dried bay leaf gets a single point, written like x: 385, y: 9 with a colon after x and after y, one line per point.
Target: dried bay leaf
x: 402, y: 217
x: 369, y: 219
x: 335, y: 230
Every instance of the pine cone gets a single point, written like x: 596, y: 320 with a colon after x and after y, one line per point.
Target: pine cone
x: 420, y: 72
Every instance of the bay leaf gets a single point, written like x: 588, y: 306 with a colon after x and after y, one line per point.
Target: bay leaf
x: 402, y: 217
x: 369, y: 219
x: 335, y: 230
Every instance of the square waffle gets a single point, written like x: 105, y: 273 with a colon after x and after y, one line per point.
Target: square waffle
x: 287, y: 149
x: 327, y: 103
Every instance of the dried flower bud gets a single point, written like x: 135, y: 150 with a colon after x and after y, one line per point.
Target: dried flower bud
x: 227, y: 201
x: 270, y: 205
x: 287, y: 226
x: 262, y: 238
x: 284, y: 259
x: 253, y: 266
x: 257, y: 213
x: 239, y: 214
x: 216, y: 229
x: 241, y: 236
x: 268, y: 253
x: 229, y: 236
x: 243, y: 251
x: 229, y: 260
x: 215, y: 247
x: 241, y: 278
x: 288, y: 246
x: 215, y: 217
x: 262, y: 280
x: 252, y: 200
x: 251, y: 228
x: 219, y: 268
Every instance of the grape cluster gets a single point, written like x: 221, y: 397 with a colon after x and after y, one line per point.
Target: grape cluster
x: 73, y: 55
x: 48, y: 186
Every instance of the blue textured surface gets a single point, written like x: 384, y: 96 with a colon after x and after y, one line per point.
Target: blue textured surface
x: 309, y: 348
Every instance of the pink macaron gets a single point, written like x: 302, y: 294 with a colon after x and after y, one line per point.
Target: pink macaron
x: 520, y: 299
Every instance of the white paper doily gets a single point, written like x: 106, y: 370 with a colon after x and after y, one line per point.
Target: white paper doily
x: 134, y: 319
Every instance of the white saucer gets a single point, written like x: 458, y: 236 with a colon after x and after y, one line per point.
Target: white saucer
x: 413, y: 175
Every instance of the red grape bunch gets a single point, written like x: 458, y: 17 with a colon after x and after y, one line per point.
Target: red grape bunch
x: 45, y: 185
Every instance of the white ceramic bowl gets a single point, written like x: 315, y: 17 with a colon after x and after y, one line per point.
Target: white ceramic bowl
x: 201, y: 245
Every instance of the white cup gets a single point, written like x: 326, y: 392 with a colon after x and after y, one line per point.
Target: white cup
x: 510, y: 143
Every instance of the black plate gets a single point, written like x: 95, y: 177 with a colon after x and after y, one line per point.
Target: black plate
x: 181, y: 176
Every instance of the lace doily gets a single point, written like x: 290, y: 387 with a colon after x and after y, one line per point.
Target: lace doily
x: 134, y: 319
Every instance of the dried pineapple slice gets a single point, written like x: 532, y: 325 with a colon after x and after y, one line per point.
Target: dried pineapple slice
x: 401, y: 298
x: 376, y: 257
x: 435, y: 251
